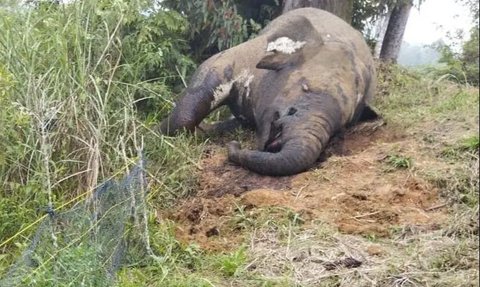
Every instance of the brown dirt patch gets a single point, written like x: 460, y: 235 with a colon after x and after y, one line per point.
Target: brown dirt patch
x: 220, y: 177
x: 204, y: 221
x: 350, y: 190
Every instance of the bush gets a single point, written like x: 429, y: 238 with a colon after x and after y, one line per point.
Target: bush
x: 462, y: 65
x: 217, y: 25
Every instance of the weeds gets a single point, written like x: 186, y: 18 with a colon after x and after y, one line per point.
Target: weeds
x: 230, y: 264
x: 463, y: 149
x: 398, y: 161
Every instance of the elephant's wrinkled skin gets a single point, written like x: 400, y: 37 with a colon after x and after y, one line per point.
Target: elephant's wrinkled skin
x: 305, y: 77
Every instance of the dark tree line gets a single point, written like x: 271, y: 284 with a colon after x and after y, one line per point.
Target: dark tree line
x: 219, y: 24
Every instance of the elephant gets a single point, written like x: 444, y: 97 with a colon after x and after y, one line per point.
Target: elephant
x: 307, y: 76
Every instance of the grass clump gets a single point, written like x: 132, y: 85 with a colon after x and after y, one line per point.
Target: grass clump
x: 230, y: 264
x: 395, y: 161
x: 469, y: 144
x: 463, y: 149
x: 461, y: 183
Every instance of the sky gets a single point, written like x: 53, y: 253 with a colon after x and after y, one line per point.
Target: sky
x: 434, y: 19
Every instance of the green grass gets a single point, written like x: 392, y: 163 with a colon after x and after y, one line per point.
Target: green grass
x: 398, y: 161
x: 406, y: 97
x: 230, y: 264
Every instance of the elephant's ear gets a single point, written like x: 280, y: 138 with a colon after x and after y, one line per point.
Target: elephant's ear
x: 290, y: 44
x: 280, y: 53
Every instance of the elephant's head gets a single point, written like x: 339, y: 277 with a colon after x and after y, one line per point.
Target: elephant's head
x: 291, y: 135
x: 294, y: 128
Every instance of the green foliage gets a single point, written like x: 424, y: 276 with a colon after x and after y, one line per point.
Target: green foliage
x: 462, y: 183
x: 76, y: 269
x: 407, y: 96
x: 216, y: 25
x: 463, y: 66
x: 107, y: 53
x: 176, y: 266
x: 365, y: 11
x: 411, y: 98
x: 230, y: 264
x: 461, y: 63
x: 455, y: 102
x: 154, y: 54
x: 471, y: 143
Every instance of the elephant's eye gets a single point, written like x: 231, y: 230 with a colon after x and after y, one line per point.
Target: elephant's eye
x: 276, y: 116
x: 292, y: 111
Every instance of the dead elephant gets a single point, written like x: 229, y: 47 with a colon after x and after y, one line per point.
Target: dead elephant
x: 305, y: 77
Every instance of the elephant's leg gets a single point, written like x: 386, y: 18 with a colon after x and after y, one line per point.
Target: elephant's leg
x: 363, y: 113
x: 368, y: 114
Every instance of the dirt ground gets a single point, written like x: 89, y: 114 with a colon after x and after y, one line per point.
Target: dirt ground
x: 351, y: 189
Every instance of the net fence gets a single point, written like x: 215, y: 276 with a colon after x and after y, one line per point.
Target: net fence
x: 87, y: 244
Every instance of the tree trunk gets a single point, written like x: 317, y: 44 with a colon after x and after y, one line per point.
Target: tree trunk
x: 392, y: 41
x: 380, y: 30
x: 341, y: 8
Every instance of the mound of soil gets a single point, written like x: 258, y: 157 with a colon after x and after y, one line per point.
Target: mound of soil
x: 351, y: 190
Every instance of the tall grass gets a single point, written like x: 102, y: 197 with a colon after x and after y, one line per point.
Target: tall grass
x: 72, y: 78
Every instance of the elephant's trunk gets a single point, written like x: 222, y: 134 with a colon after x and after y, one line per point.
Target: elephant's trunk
x: 296, y: 155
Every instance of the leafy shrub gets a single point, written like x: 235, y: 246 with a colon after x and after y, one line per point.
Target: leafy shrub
x: 231, y: 264
x: 463, y: 65
x: 216, y: 25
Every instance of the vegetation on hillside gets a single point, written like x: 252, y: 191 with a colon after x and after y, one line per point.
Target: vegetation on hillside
x: 462, y: 65
x: 461, y: 58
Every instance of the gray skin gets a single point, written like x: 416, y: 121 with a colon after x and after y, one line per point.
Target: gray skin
x: 295, y: 101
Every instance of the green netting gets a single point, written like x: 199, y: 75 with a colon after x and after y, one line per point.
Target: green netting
x: 87, y: 244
